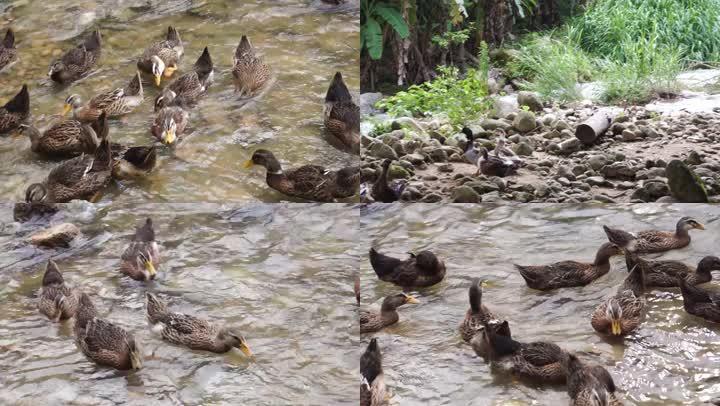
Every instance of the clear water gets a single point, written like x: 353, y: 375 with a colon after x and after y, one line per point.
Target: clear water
x: 672, y: 360
x: 280, y: 273
x: 304, y: 41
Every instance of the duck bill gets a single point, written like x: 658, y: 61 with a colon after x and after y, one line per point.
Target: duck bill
x: 248, y: 164
x: 169, y: 71
x: 411, y: 300
x: 169, y: 137
x: 700, y: 226
x: 150, y: 268
x: 158, y: 78
x: 615, y: 328
x: 66, y: 109
x: 245, y: 350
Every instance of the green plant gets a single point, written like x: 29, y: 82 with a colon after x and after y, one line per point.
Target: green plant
x: 449, y: 37
x: 374, y: 15
x: 458, y: 98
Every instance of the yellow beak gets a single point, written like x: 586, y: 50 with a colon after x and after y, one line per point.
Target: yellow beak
x: 483, y: 284
x: 135, y: 360
x: 157, y: 80
x: 169, y: 137
x: 700, y: 226
x: 248, y: 164
x: 615, y: 327
x: 411, y: 299
x: 245, y: 349
x: 66, y: 109
x: 169, y: 71
x: 150, y: 268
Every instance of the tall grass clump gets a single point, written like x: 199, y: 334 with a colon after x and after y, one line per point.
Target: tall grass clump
x: 459, y: 97
x: 551, y: 65
x: 692, y: 26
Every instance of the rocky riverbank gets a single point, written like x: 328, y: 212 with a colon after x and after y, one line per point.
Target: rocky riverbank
x: 643, y: 157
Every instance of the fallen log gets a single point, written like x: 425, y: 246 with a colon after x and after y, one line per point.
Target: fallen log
x: 589, y: 130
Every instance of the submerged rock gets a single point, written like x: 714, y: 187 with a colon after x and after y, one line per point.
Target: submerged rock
x: 685, y: 186
x: 56, y: 236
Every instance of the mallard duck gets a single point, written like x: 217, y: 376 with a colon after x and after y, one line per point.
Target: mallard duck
x: 310, y: 182
x: 7, y: 49
x: 251, y: 74
x: 342, y: 115
x: 35, y: 204
x: 141, y: 258
x: 477, y: 315
x: 372, y: 386
x: 470, y: 153
x: 78, y: 61
x: 67, y: 138
x: 420, y: 270
x: 653, y: 240
x: 133, y: 162
x: 590, y: 385
x: 664, y: 274
x: 371, y: 322
x: 187, y: 89
x: 622, y: 313
x: 541, y: 361
x: 190, y: 331
x: 508, y: 155
x: 566, y: 274
x: 493, y: 166
x: 57, y: 300
x: 384, y: 192
x: 114, y: 103
x: 480, y: 342
x: 82, y: 177
x: 169, y: 124
x: 15, y: 112
x: 161, y: 59
x: 103, y: 342
x: 700, y: 302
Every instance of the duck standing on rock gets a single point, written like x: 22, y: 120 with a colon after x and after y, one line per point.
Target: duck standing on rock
x: 57, y: 300
x: 566, y: 274
x: 371, y: 322
x: 622, y: 313
x: 372, y: 386
x: 14, y: 113
x: 78, y: 61
x: 161, y: 58
x: 420, y: 270
x: 653, y: 241
x: 491, y: 165
x: 384, y: 192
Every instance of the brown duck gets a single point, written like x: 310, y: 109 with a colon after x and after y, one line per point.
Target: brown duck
x: 141, y: 258
x: 35, y: 204
x: 15, y: 112
x: 622, y: 313
x: 8, y: 52
x: 477, y: 315
x: 700, y: 302
x: 653, y: 240
x: 78, y: 61
x: 569, y: 273
x: 420, y: 270
x: 342, y: 115
x: 372, y: 386
x: 57, y: 300
x: 251, y: 75
x: 665, y: 273
x: 371, y: 322
x: 382, y: 191
x: 590, y: 385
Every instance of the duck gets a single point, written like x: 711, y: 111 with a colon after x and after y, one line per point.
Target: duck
x: 566, y: 274
x: 624, y: 312
x: 664, y: 273
x: 8, y: 52
x: 251, y: 75
x: 372, y: 322
x: 700, y: 302
x: 83, y: 177
x: 186, y: 90
x: 67, y: 138
x: 491, y: 165
x: 170, y: 124
x: 103, y: 342
x: 342, y: 115
x: 652, y: 241
x: 309, y: 182
x: 141, y: 258
x: 78, y: 61
x: 508, y: 155
x: 190, y: 331
x: 384, y: 192
x: 539, y: 361
x: 35, y: 204
x: 133, y: 161
x: 590, y: 385
x: 161, y: 58
x: 471, y: 154
x: 114, y: 103
x: 57, y: 300
x: 422, y: 269
x: 14, y: 113
x: 372, y: 387
x: 477, y: 315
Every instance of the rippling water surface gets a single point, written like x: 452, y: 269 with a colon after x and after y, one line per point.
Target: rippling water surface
x: 280, y: 273
x: 304, y: 41
x: 673, y: 359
